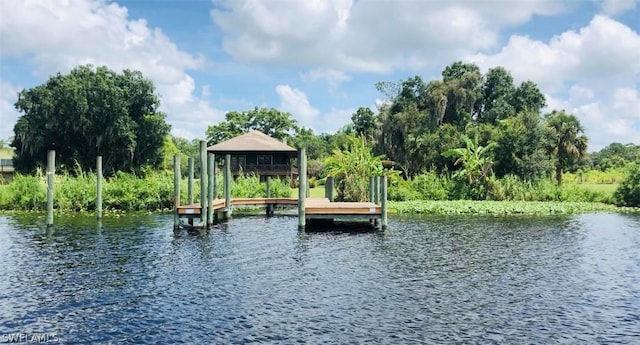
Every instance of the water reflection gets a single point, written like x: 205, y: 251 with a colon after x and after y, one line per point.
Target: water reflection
x: 255, y: 279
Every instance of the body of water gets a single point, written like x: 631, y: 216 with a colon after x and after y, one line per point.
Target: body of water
x: 448, y: 280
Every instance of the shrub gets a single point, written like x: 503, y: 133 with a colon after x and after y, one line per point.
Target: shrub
x: 628, y: 193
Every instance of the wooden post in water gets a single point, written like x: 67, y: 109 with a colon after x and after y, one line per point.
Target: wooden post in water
x: 99, y: 187
x: 328, y: 188
x: 190, y: 182
x: 269, y: 208
x: 51, y: 170
x: 211, y: 171
x: 227, y: 185
x: 302, y: 187
x: 383, y: 201
x: 203, y: 184
x: 176, y: 190
x: 215, y: 176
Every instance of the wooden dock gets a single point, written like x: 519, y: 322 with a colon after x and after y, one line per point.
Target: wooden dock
x: 315, y: 208
x: 309, y: 209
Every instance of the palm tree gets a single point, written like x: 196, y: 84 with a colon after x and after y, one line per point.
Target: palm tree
x: 567, y: 143
x: 475, y: 160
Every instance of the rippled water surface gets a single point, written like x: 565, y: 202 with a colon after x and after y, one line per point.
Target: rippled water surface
x: 424, y: 280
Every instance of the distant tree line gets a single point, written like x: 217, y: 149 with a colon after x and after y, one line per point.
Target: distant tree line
x: 96, y: 111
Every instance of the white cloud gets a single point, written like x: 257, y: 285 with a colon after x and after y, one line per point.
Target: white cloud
x: 56, y: 36
x: 593, y: 73
x: 367, y: 35
x: 8, y: 113
x: 605, y: 52
x: 613, y: 7
x: 333, y: 77
x: 295, y: 101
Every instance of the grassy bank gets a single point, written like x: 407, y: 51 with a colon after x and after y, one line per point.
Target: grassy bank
x: 124, y: 192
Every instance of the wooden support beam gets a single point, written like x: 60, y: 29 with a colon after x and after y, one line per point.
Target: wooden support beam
x: 99, y: 187
x: 51, y: 171
x: 203, y: 183
x: 383, y: 201
x: 211, y: 171
x: 190, y: 181
x: 227, y: 185
x: 176, y: 189
x: 302, y: 187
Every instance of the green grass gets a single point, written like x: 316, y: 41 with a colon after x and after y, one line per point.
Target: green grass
x: 317, y: 192
x: 607, y: 188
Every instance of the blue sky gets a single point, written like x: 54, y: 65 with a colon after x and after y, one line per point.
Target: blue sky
x: 319, y: 59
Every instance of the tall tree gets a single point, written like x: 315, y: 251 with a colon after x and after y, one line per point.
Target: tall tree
x: 90, y: 112
x: 521, y: 147
x: 272, y: 122
x: 528, y: 97
x: 364, y: 123
x: 497, y: 93
x: 567, y: 142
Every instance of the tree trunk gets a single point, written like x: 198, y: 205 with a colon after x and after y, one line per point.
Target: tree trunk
x: 559, y: 174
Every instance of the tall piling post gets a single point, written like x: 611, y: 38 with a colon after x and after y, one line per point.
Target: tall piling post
x: 176, y: 190
x: 227, y: 185
x: 302, y: 187
x: 372, y: 189
x: 376, y: 189
x: 203, y: 184
x: 383, y: 200
x: 328, y: 188
x: 269, y: 209
x: 51, y: 170
x: 99, y: 187
x: 190, y: 182
x: 210, y: 185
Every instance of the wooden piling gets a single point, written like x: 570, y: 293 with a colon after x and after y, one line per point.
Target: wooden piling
x: 227, y: 185
x: 383, y: 200
x: 203, y: 183
x: 376, y: 189
x: 190, y: 182
x: 99, y: 187
x: 328, y: 188
x: 267, y: 182
x: 176, y: 189
x: 302, y: 187
x: 371, y: 189
x: 51, y: 170
x: 211, y: 171
x: 269, y: 209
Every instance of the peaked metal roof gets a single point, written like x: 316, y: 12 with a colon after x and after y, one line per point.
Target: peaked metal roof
x: 252, y: 141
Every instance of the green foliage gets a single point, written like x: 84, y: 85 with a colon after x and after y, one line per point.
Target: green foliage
x: 498, y: 208
x: 364, y: 123
x: 272, y: 122
x: 628, y: 193
x: 566, y: 141
x: 90, y: 112
x: 520, y: 147
x: 475, y: 162
x: 25, y: 193
x: 616, y: 155
x: 351, y: 168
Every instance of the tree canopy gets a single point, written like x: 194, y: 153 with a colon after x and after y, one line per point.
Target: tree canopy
x: 87, y: 113
x: 272, y: 122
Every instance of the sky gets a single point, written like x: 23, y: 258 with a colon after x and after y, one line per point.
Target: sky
x: 319, y: 59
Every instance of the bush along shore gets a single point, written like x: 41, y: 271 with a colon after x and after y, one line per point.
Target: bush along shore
x: 427, y: 193
x: 123, y: 192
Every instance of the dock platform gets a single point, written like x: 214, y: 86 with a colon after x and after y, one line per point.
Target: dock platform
x: 315, y: 208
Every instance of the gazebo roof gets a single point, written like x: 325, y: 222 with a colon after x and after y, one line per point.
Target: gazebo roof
x: 254, y: 141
